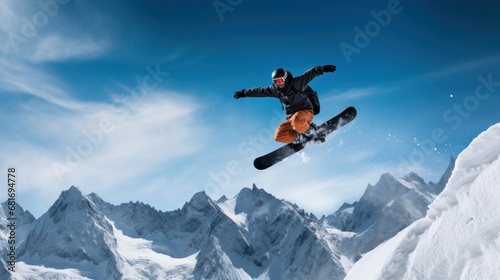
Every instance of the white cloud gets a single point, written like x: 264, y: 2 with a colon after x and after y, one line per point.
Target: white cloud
x: 8, y: 15
x: 59, y: 48
x: 469, y: 65
x: 103, y: 139
x: 47, y: 31
x: 22, y: 78
x: 354, y: 93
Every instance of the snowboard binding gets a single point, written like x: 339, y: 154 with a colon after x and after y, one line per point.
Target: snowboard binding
x: 313, y: 134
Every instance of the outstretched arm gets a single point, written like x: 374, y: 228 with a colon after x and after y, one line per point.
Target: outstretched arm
x: 301, y: 81
x: 256, y: 92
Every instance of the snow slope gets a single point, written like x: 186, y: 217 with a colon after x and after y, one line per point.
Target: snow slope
x: 139, y: 260
x: 459, y: 238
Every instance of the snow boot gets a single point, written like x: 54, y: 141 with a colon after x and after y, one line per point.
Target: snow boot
x: 311, y: 135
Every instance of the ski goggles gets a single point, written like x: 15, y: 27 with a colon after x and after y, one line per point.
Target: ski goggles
x: 279, y: 81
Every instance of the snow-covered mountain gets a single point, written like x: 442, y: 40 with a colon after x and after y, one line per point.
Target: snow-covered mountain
x: 384, y: 209
x: 252, y: 236
x: 459, y: 238
x: 257, y: 236
x: 73, y: 233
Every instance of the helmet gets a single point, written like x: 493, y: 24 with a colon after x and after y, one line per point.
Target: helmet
x: 279, y: 77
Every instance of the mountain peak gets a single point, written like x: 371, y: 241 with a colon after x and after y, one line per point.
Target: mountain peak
x: 386, y: 178
x: 71, y: 202
x: 386, y: 175
x: 200, y: 201
x: 254, y: 194
x: 71, y: 195
x: 222, y: 199
x: 385, y: 185
x: 413, y: 177
x: 200, y: 196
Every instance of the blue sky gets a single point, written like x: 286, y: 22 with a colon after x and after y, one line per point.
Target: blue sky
x: 133, y: 100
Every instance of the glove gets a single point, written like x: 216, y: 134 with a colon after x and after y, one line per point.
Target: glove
x: 329, y: 68
x: 239, y: 94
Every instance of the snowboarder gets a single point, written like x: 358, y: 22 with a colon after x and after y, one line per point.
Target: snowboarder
x: 291, y: 93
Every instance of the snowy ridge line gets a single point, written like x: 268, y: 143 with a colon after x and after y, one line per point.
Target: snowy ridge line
x: 480, y: 154
x: 252, y: 236
x: 228, y: 208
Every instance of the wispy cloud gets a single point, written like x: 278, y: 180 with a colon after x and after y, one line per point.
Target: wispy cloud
x: 65, y: 146
x: 470, y: 65
x: 24, y: 78
x: 355, y: 93
x: 59, y: 48
x: 46, y: 31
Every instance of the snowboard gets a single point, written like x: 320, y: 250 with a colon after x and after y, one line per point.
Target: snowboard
x: 287, y: 150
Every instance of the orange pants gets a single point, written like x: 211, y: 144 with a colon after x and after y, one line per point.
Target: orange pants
x: 298, y: 123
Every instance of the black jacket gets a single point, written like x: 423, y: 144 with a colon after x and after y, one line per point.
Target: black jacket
x: 292, y: 96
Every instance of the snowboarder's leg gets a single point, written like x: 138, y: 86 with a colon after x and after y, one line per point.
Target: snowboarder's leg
x: 301, y: 119
x: 299, y: 123
x: 285, y: 133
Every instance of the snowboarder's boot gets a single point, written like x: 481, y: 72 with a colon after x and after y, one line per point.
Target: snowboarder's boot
x: 312, y: 134
x: 318, y: 134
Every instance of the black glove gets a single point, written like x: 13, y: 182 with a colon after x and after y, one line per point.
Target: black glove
x: 329, y: 68
x: 239, y: 94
